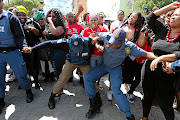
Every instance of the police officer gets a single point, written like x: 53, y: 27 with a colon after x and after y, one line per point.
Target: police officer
x: 11, y: 44
x: 116, y: 50
x: 78, y: 57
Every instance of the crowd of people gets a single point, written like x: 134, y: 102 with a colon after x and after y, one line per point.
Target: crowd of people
x: 130, y: 50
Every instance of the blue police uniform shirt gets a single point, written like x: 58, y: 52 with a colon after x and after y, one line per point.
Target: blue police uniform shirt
x: 114, y: 58
x: 175, y: 66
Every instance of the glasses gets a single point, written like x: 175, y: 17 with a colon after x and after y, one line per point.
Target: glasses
x: 53, y: 16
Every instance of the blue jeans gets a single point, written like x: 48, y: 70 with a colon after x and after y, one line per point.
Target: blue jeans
x: 58, y: 59
x: 17, y: 64
x: 115, y: 80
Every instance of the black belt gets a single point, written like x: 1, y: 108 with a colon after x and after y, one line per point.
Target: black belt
x: 7, y: 49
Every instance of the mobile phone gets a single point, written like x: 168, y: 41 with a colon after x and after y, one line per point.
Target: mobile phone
x: 147, y: 10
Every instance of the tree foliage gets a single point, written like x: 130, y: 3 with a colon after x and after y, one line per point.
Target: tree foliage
x: 28, y: 4
x: 141, y: 4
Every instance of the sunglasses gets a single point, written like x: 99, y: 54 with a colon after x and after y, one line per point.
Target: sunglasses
x: 53, y: 16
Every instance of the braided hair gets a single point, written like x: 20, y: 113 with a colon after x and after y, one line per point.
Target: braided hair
x: 140, y: 22
x: 59, y: 22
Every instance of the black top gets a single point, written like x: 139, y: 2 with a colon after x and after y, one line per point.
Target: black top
x: 31, y: 38
x: 160, y: 45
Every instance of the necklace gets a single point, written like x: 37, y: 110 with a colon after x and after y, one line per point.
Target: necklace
x: 95, y: 31
x: 167, y: 36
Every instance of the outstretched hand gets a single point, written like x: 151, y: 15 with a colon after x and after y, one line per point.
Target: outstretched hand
x: 27, y: 50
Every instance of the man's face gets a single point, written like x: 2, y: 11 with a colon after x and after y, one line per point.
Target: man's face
x: 1, y: 5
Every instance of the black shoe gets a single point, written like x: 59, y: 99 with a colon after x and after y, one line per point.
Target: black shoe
x: 37, y: 85
x: 99, y: 101
x: 2, y: 104
x: 131, y: 118
x: 19, y: 87
x: 29, y: 97
x: 94, y: 108
x: 51, y: 103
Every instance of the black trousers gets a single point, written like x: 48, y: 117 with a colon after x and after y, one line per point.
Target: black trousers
x: 131, y: 70
x: 157, y: 84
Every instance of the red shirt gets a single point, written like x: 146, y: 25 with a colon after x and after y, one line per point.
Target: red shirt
x: 147, y: 47
x: 73, y: 29
x: 88, y: 31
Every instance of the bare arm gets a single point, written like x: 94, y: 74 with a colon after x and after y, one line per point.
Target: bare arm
x: 94, y: 41
x: 142, y: 39
x: 56, y: 31
x: 163, y: 10
x: 169, y: 58
x: 80, y: 9
x: 149, y: 55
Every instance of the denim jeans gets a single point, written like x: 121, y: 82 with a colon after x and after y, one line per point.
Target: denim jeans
x: 17, y: 64
x: 58, y: 59
x: 115, y: 80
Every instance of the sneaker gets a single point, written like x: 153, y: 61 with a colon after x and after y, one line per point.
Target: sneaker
x: 100, y: 86
x: 130, y: 97
x: 109, y: 95
x: 125, y: 88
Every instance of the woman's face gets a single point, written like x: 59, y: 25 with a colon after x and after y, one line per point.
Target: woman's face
x: 53, y: 16
x: 175, y: 19
x: 22, y: 17
x: 93, y: 22
x: 41, y: 21
x: 133, y: 19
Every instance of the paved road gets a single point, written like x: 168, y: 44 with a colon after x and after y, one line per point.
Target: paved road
x: 70, y: 107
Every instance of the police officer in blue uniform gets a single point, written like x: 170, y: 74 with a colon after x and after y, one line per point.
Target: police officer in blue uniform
x: 78, y: 49
x: 116, y: 50
x: 11, y: 44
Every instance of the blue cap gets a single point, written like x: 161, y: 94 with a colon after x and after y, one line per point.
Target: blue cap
x: 117, y: 37
x: 77, y: 43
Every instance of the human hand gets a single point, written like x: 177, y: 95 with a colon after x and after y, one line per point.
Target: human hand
x: 154, y: 63
x: 167, y: 67
x: 27, y: 50
x: 94, y: 41
x: 99, y: 47
x: 80, y: 9
x: 49, y: 19
x: 155, y: 8
x: 174, y: 5
x: 44, y: 32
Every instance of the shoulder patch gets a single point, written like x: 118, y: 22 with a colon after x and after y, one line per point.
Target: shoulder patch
x: 127, y: 49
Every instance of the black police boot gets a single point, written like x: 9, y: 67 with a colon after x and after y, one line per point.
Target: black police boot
x: 99, y: 102
x: 94, y: 108
x: 131, y: 118
x: 51, y: 103
x: 29, y: 97
x: 2, y: 104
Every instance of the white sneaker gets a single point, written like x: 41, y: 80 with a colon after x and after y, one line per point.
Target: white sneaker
x: 130, y: 97
x: 13, y: 78
x: 109, y: 95
x: 125, y: 88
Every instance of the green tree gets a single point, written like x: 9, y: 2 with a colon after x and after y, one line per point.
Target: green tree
x: 28, y: 4
x: 141, y: 4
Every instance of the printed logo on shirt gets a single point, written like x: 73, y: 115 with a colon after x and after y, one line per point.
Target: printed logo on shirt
x: 69, y: 30
x: 107, y: 45
x: 116, y: 35
x: 127, y: 49
x: 1, y: 28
